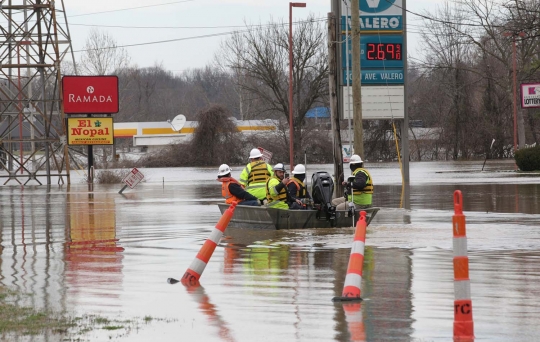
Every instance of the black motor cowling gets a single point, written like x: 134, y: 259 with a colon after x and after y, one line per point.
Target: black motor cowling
x: 322, y: 189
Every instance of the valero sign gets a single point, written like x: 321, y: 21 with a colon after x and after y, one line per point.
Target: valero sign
x: 90, y: 94
x: 377, y: 15
x: 90, y: 131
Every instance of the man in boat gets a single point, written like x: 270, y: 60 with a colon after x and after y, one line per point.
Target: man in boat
x: 276, y: 188
x: 256, y: 174
x: 359, y: 187
x: 297, y: 189
x: 232, y: 190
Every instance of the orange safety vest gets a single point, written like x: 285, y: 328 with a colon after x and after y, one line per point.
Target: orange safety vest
x: 300, y: 187
x: 229, y: 198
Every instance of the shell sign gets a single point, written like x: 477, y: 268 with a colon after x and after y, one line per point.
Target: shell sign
x: 90, y: 131
x: 90, y: 94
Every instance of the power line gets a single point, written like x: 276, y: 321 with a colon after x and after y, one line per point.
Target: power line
x: 192, y: 37
x: 131, y: 8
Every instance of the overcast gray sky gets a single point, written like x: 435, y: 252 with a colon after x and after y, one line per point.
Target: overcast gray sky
x: 138, y: 21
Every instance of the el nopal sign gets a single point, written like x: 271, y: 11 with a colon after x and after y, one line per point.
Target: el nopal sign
x: 90, y: 94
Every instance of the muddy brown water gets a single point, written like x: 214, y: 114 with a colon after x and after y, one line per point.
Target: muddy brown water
x: 91, y: 250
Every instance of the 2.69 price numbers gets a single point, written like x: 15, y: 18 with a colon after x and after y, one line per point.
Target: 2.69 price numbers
x: 384, y: 51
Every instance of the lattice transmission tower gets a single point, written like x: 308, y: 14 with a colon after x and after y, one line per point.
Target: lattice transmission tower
x: 34, y: 40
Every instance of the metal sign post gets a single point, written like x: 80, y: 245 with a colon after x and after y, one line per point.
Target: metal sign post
x: 132, y: 179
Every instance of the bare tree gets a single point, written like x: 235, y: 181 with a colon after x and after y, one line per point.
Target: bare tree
x: 101, y: 55
x: 259, y: 57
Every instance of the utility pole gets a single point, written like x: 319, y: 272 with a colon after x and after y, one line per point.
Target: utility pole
x: 356, y: 79
x: 35, y: 45
x: 332, y: 82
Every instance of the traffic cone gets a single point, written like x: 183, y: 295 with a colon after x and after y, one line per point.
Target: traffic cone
x: 463, y: 319
x: 195, y: 270
x: 353, y: 279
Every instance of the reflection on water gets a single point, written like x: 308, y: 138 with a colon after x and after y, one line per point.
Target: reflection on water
x: 91, y: 250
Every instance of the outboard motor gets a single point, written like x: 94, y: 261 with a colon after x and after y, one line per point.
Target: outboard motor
x: 322, y: 188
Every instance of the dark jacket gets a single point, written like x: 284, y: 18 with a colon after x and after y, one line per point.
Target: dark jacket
x: 238, y: 191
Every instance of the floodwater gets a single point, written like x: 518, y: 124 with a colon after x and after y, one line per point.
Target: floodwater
x: 94, y: 251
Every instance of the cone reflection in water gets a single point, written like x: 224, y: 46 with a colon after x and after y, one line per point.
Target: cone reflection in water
x: 355, y: 321
x: 210, y: 311
x: 195, y: 270
x: 463, y: 319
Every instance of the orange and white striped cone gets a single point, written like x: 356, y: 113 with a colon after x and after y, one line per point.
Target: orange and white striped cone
x: 353, y: 279
x: 463, y: 319
x: 195, y: 270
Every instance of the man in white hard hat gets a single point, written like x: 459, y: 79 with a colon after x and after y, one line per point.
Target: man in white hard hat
x: 297, y: 189
x: 359, y: 186
x: 256, y: 174
x: 232, y: 190
x: 276, y: 188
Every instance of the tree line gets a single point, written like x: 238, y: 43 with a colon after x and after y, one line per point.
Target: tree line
x: 460, y: 89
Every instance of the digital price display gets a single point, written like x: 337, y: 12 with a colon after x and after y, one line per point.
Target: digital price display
x: 383, y: 51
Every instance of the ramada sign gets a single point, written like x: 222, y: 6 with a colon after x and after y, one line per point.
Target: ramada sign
x: 90, y: 94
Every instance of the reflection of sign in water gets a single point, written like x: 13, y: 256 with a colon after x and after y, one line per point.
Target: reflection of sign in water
x: 133, y: 178
x: 92, y: 252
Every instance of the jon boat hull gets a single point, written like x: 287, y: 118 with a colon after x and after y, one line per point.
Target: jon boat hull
x: 275, y: 219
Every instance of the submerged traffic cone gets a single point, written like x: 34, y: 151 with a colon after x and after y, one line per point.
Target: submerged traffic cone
x: 463, y: 319
x: 195, y: 270
x: 353, y: 279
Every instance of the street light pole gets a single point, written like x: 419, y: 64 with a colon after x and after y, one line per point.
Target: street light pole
x: 291, y: 127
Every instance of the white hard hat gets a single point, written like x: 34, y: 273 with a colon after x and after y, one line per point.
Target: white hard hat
x: 355, y: 159
x: 255, y: 153
x: 279, y: 167
x: 299, y: 169
x: 224, y: 169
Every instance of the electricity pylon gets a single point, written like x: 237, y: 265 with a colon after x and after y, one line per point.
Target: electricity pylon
x: 34, y: 39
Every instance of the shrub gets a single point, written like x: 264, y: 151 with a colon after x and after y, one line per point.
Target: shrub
x: 528, y: 159
x: 110, y: 176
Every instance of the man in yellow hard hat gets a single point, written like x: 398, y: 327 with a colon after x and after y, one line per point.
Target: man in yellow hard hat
x: 256, y: 174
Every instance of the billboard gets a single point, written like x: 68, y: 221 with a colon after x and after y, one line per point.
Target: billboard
x: 530, y: 95
x: 377, y: 102
x: 90, y: 131
x: 90, y: 94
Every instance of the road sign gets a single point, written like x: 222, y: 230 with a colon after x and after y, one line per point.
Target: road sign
x: 133, y: 178
x: 267, y: 155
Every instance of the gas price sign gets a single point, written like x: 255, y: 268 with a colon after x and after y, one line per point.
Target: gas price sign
x: 383, y: 51
x: 378, y: 51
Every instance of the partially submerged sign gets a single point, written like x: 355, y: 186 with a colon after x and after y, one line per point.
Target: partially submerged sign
x: 266, y: 155
x: 133, y: 178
